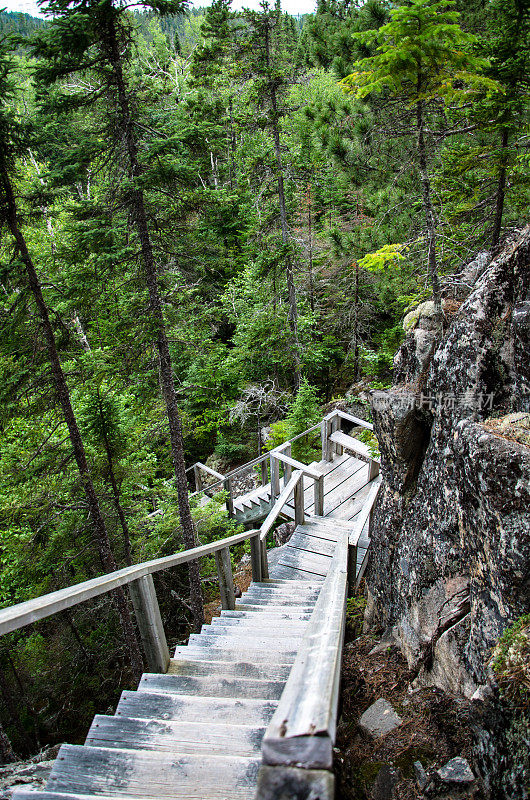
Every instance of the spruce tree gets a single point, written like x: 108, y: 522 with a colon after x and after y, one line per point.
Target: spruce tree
x: 421, y: 58
x: 86, y: 36
x: 12, y: 144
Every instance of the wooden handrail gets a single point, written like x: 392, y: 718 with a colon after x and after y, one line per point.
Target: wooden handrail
x: 279, y: 504
x: 350, y: 418
x: 311, y: 473
x: 254, y: 461
x: 22, y: 614
x: 302, y: 730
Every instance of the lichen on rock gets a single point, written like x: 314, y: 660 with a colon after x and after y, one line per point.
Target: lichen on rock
x: 450, y: 552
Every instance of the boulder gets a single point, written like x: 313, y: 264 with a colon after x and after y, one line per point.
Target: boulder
x: 379, y: 719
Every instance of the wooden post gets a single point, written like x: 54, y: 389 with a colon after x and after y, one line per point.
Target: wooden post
x: 264, y: 473
x: 198, y: 477
x: 352, y: 568
x: 255, y: 558
x: 149, y: 621
x: 299, y: 502
x: 227, y: 485
x: 264, y: 561
x: 319, y: 496
x: 287, y: 468
x: 275, y: 477
x: 373, y: 470
x: 226, y: 579
x: 335, y: 426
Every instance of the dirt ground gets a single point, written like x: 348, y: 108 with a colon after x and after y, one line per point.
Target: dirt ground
x: 435, y: 728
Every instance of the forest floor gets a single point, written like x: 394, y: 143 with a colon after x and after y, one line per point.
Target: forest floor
x: 435, y: 727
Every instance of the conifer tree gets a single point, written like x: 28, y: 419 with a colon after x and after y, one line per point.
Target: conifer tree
x: 11, y: 145
x: 86, y: 35
x: 420, y: 55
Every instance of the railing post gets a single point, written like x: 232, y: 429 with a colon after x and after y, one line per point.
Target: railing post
x: 256, y: 559
x: 275, y: 476
x: 226, y: 579
x: 198, y: 477
x: 264, y: 561
x: 287, y: 468
x: 264, y: 474
x: 299, y: 502
x: 335, y: 426
x: 319, y: 496
x: 227, y: 485
x: 143, y: 596
x: 373, y: 471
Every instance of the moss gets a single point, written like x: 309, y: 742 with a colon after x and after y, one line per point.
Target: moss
x: 369, y: 771
x: 405, y: 761
x: 511, y: 663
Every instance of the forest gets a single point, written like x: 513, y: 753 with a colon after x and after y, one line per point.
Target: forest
x: 213, y: 221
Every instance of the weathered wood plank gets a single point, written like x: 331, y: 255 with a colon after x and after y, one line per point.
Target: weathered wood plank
x: 211, y: 686
x: 127, y: 773
x: 236, y: 652
x: 236, y: 669
x: 195, y: 709
x: 170, y: 736
x: 22, y: 614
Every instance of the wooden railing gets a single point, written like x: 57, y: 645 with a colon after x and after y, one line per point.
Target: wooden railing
x: 329, y: 426
x: 139, y: 580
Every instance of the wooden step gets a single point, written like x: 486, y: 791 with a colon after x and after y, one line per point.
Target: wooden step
x: 211, y: 686
x: 261, y: 613
x: 236, y: 669
x: 169, y: 736
x: 312, y: 544
x: 285, y: 572
x: 250, y: 607
x: 240, y: 642
x: 257, y: 621
x: 237, y: 652
x: 144, y: 774
x: 319, y: 565
x: 143, y: 705
x: 273, y: 603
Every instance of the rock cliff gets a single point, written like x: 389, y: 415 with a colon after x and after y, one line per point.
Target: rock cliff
x: 450, y: 566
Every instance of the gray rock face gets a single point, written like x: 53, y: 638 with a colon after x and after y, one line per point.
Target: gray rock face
x: 450, y: 557
x: 379, y: 719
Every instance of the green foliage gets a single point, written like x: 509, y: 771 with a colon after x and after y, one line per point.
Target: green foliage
x: 355, y: 608
x: 510, y: 663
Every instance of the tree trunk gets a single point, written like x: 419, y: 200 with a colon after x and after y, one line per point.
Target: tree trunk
x: 310, y: 238
x: 289, y: 271
x: 139, y: 213
x: 7, y: 756
x: 427, y: 205
x: 501, y: 191
x: 356, y: 325
x: 113, y: 483
x: 101, y: 536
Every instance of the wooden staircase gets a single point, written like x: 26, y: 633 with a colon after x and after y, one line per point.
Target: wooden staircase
x: 249, y: 704
x: 196, y: 731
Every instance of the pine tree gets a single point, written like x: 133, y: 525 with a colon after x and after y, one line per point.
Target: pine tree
x: 264, y: 50
x: 420, y: 55
x: 11, y: 145
x: 96, y: 36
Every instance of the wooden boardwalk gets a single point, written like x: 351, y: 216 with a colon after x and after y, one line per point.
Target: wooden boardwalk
x: 209, y: 728
x: 196, y: 731
x: 345, y: 488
